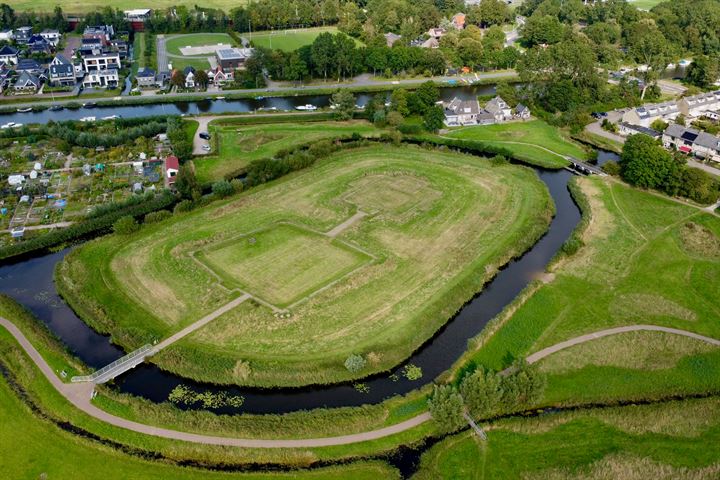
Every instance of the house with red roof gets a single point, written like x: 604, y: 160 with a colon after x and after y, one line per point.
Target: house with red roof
x: 172, y: 167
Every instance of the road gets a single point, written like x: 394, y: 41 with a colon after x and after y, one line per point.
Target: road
x: 357, y: 83
x: 162, y: 58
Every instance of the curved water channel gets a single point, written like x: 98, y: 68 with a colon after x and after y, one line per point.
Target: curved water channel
x: 30, y: 282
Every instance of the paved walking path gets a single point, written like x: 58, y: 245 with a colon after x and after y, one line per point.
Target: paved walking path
x: 79, y: 394
x: 200, y: 323
x: 346, y: 224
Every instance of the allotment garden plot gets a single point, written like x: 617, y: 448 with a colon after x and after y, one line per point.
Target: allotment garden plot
x: 369, y: 252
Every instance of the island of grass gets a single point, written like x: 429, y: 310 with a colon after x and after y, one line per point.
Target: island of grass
x: 369, y: 253
x: 237, y: 144
x: 534, y: 141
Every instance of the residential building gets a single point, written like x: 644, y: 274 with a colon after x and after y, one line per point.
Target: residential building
x: 51, y: 36
x: 172, y: 167
x: 22, y: 35
x: 9, y: 55
x: 626, y: 129
x: 692, y: 142
x: 461, y: 112
x: 29, y: 65
x: 232, y: 58
x: 391, y: 38
x: 458, y: 21
x: 431, y: 42
x: 6, y: 74
x: 137, y: 18
x: 146, y: 78
x: 7, y: 36
x: 61, y: 72
x: 696, y: 105
x: 522, y: 111
x: 105, y: 31
x: 38, y: 44
x: 101, y: 78
x: 500, y: 109
x: 189, y: 73
x: 218, y: 77
x: 103, y: 61
x: 647, y: 114
x: 436, y: 33
x: 120, y: 46
x: 27, y: 82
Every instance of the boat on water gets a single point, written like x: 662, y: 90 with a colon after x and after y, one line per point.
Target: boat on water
x: 10, y: 125
x: 24, y: 110
x: 259, y: 97
x: 89, y: 105
x: 306, y: 108
x: 55, y: 108
x: 111, y: 117
x: 219, y: 98
x: 87, y: 119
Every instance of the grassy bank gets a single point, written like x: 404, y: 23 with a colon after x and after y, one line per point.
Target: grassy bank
x: 656, y: 441
x: 645, y: 260
x: 410, y: 235
x: 533, y: 141
x: 236, y: 146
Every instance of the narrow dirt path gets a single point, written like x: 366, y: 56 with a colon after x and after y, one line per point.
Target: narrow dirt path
x: 346, y: 224
x: 79, y: 394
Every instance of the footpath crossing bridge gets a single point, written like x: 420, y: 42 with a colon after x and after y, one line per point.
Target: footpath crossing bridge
x: 118, y: 367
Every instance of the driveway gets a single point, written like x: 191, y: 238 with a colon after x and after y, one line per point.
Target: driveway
x: 162, y: 57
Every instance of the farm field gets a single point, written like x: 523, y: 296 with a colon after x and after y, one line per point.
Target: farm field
x: 49, y: 452
x: 78, y: 6
x: 646, y: 260
x: 288, y: 40
x: 238, y: 145
x: 637, y: 442
x: 529, y: 141
x: 440, y: 233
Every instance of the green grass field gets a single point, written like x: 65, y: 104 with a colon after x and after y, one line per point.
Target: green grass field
x: 645, y: 4
x: 175, y: 42
x: 434, y: 243
x: 79, y: 6
x: 534, y: 141
x: 646, y: 260
x: 633, y: 443
x: 288, y: 40
x: 238, y: 145
x: 49, y: 452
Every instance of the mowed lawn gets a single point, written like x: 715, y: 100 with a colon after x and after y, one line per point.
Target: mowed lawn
x: 436, y: 243
x: 534, y: 141
x: 238, y: 145
x: 175, y: 42
x: 289, y: 40
x: 80, y: 6
x: 646, y: 260
x: 632, y: 443
x: 35, y: 448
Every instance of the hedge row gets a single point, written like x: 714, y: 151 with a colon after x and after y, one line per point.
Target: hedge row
x: 87, y: 228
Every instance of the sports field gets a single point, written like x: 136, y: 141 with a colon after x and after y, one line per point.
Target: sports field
x: 176, y: 42
x: 238, y: 145
x: 288, y: 40
x: 534, y: 141
x: 646, y: 260
x: 436, y: 226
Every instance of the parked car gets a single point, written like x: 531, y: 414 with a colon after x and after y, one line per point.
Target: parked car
x: 204, y: 135
x: 206, y: 148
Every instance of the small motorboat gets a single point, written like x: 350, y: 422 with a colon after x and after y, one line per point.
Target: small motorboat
x: 24, y: 110
x: 219, y: 98
x: 89, y: 105
x: 111, y: 117
x: 56, y: 108
x: 87, y: 119
x: 306, y: 108
x: 259, y: 97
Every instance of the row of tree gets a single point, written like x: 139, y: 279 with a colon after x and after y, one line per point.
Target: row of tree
x: 486, y: 394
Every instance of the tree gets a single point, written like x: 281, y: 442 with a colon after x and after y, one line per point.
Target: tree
x: 649, y: 47
x: 323, y: 53
x: 659, y: 125
x: 489, y: 12
x: 644, y: 162
x: 222, y: 188
x: 344, y: 102
x: 178, y: 79
x: 446, y: 408
x: 186, y: 183
x: 545, y: 29
x: 125, y: 225
x: 201, y: 78
x: 354, y: 363
x: 703, y: 71
x: 434, y: 118
x: 523, y: 387
x: 394, y: 118
x: 399, y: 101
x: 482, y: 392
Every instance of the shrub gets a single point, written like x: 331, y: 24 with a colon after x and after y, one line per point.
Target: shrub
x: 355, y: 363
x: 482, y: 392
x: 412, y: 372
x: 394, y: 118
x: 125, y: 225
x: 183, y: 206
x: 237, y: 185
x: 523, y: 387
x: 223, y: 188
x: 446, y: 408
x: 159, y: 216
x: 611, y: 167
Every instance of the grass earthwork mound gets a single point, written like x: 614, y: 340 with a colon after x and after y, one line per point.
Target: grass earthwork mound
x: 369, y: 252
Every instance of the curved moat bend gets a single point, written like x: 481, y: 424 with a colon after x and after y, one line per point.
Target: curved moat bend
x: 30, y: 282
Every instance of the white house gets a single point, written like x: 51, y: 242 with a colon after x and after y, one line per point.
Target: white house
x: 146, y: 77
x: 51, y: 36
x: 61, y: 71
x: 101, y: 78
x: 103, y: 61
x: 7, y: 35
x: 137, y: 15
x: 189, y: 73
x: 26, y: 82
x: 697, y: 105
x: 461, y: 112
x: 692, y: 142
x: 500, y: 109
x: 647, y: 114
x: 9, y: 55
